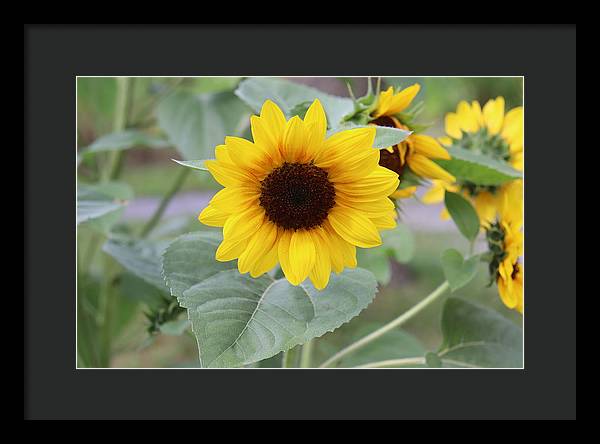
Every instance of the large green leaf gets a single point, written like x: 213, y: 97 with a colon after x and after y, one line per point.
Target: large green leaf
x: 190, y: 259
x: 238, y: 320
x: 140, y: 257
x: 398, y: 244
x: 478, y: 336
x: 124, y: 140
x: 478, y: 168
x: 101, y: 205
x: 289, y: 95
x: 463, y: 214
x: 196, y: 123
x: 459, y: 272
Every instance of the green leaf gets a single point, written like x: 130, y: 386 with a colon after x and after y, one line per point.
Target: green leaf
x: 190, y: 259
x: 396, y: 344
x: 384, y: 137
x: 197, y: 123
x: 238, y: 320
x: 478, y: 336
x: 457, y: 271
x: 398, y: 243
x: 287, y: 95
x: 478, y: 168
x: 463, y: 214
x: 124, y: 140
x: 102, y: 203
x: 212, y: 84
x: 140, y: 257
x: 195, y: 164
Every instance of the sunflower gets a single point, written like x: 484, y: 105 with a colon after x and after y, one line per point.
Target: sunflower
x: 297, y: 198
x: 488, y: 131
x: 417, y: 150
x: 505, y: 242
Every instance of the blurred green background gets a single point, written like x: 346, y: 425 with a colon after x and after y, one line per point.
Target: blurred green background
x: 150, y: 172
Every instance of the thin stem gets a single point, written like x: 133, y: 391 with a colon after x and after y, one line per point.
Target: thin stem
x: 388, y: 327
x: 306, y: 354
x: 119, y: 124
x: 289, y: 358
x: 179, y: 181
x: 394, y: 363
x: 106, y: 301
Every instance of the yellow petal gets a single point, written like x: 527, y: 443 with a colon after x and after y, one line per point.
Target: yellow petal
x: 244, y: 224
x: 424, y: 167
x: 452, y: 123
x: 321, y: 271
x: 354, y: 227
x: 429, y: 147
x: 315, y: 116
x: 229, y: 175
x: 513, y: 123
x: 385, y: 222
x: 372, y: 208
x: 404, y: 193
x: 379, y: 182
x: 435, y: 193
x: 262, y: 241
x: 344, y: 146
x: 446, y: 141
x: 302, y: 254
x: 283, y: 251
x: 486, y: 205
x: 229, y: 250
x: 468, y: 119
x: 477, y: 113
x: 493, y: 115
x: 266, y: 138
x: 356, y: 168
x: 403, y: 99
x: 248, y: 156
x: 343, y: 254
x: 267, y: 262
x: 234, y: 199
x: 294, y: 148
x: 384, y: 102
x: 213, y: 217
x: 273, y: 117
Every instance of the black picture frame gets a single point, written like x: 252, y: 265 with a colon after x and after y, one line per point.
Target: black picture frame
x: 54, y: 55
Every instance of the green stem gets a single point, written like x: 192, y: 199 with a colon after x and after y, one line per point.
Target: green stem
x: 388, y: 327
x: 106, y: 301
x: 289, y: 358
x: 394, y: 363
x: 305, y: 355
x: 119, y: 124
x: 179, y: 181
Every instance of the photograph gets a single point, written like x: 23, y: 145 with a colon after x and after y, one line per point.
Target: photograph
x: 368, y: 223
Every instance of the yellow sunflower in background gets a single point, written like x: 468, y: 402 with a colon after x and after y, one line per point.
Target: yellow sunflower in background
x: 297, y: 198
x: 487, y: 131
x: 417, y: 150
x: 505, y: 241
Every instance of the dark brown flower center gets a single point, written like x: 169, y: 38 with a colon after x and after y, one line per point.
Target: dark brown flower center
x: 388, y: 160
x: 297, y: 195
x: 515, y: 271
x: 391, y: 161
